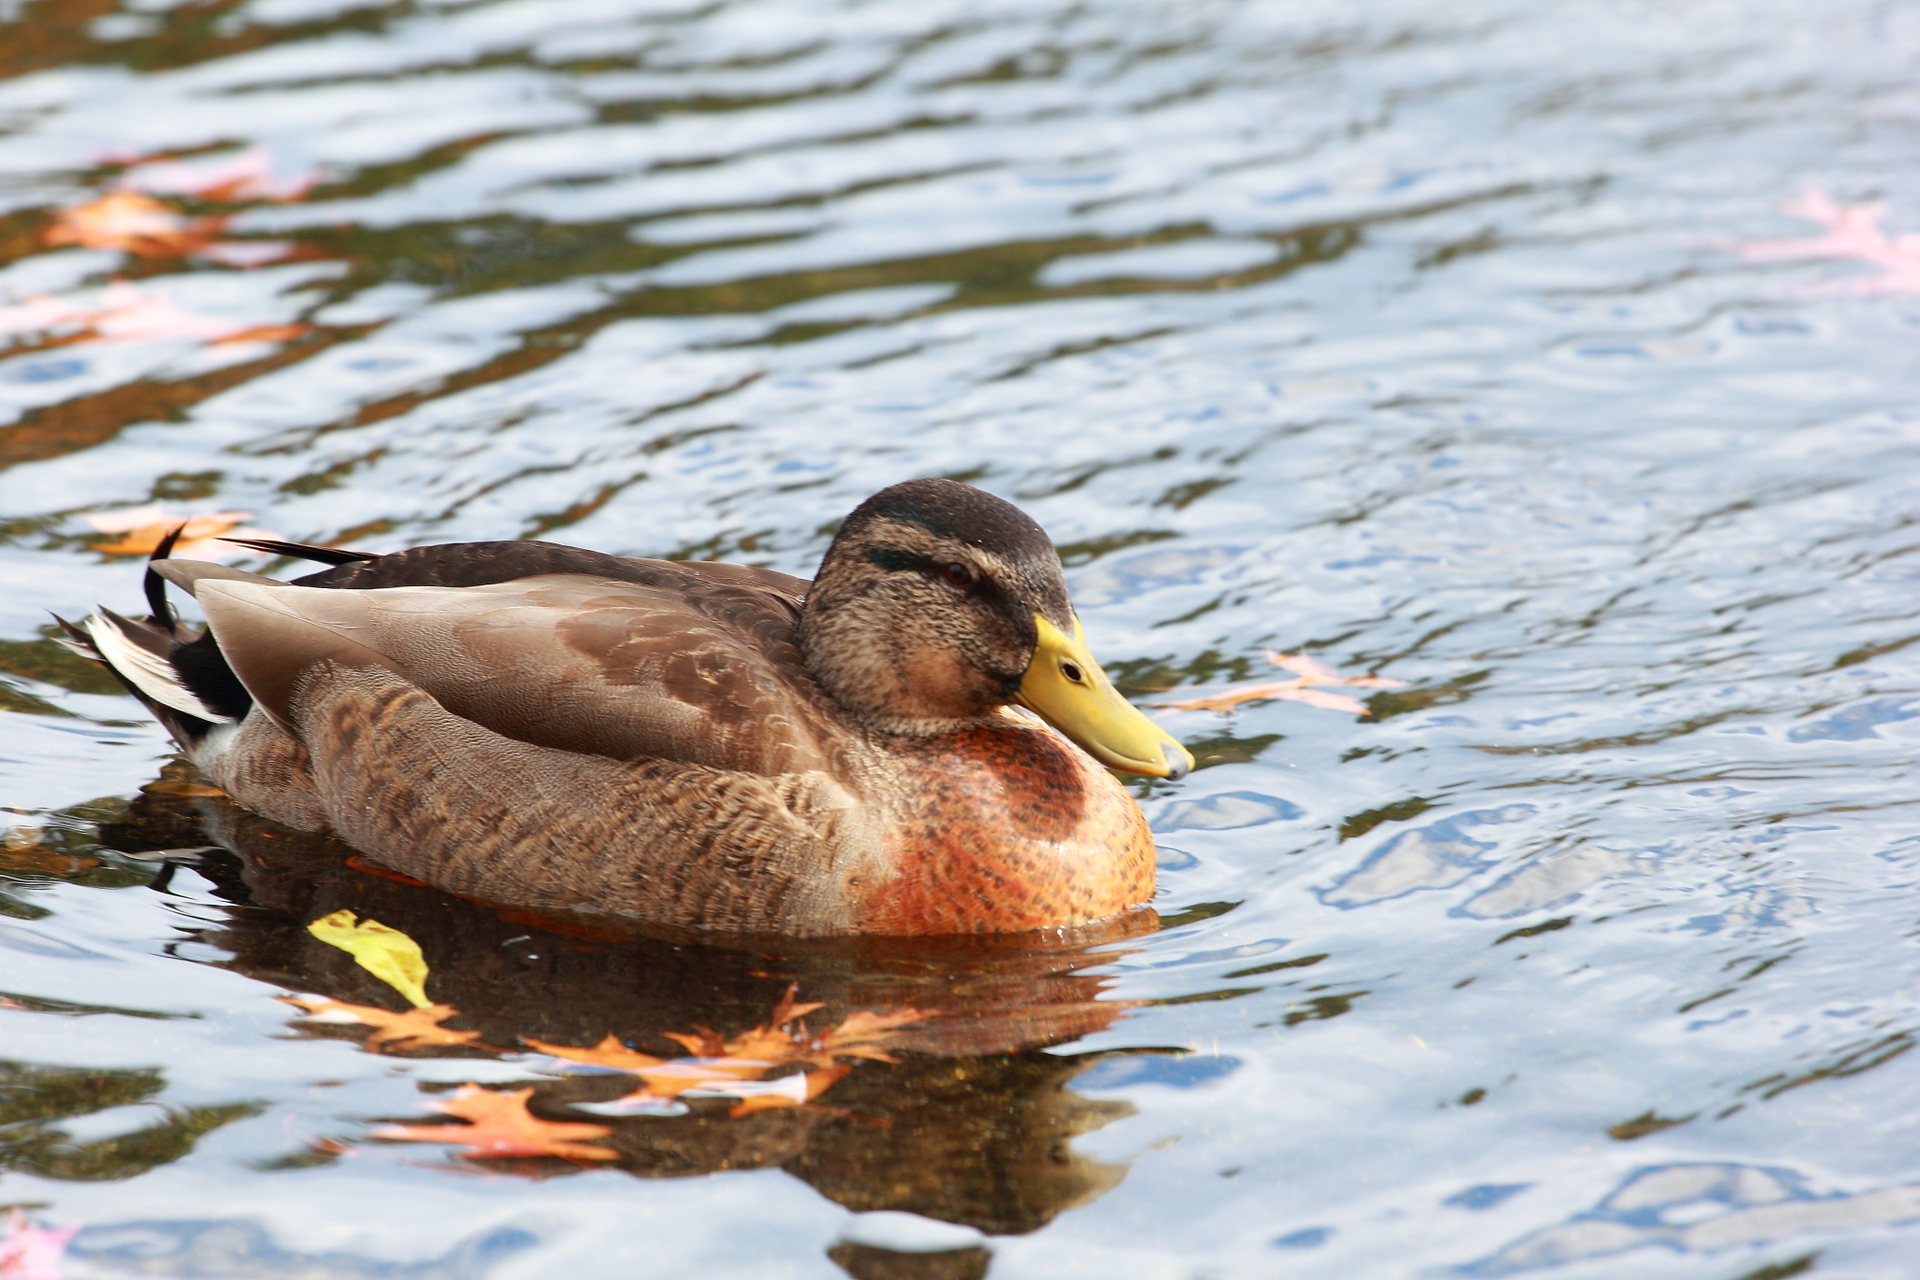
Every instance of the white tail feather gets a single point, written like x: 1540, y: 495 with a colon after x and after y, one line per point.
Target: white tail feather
x: 152, y: 674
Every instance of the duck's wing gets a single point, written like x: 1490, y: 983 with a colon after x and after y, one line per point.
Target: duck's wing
x: 479, y: 564
x: 692, y: 667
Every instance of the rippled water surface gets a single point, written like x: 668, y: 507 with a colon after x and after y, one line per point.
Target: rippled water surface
x: 1437, y: 342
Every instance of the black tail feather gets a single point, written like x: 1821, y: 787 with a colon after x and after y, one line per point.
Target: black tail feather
x: 156, y: 586
x: 304, y: 551
x: 78, y: 641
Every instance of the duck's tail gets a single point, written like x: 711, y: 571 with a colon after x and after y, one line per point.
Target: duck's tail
x: 176, y: 670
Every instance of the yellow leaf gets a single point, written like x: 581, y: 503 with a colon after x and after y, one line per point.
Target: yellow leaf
x: 381, y: 950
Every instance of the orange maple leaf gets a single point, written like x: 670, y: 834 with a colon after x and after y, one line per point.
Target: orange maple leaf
x: 500, y: 1125
x: 415, y: 1029
x: 663, y: 1077
x: 145, y: 527
x: 134, y: 222
x: 811, y: 1086
x: 736, y: 1068
x: 1307, y: 674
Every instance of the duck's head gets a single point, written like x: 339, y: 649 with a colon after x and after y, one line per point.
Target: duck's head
x: 937, y: 604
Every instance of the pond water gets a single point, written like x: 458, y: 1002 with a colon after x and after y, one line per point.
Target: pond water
x: 1452, y: 344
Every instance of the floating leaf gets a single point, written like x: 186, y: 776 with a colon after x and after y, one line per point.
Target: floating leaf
x: 737, y: 1068
x: 28, y: 1252
x: 144, y: 528
x: 608, y: 1053
x: 798, y: 1089
x: 414, y: 1029
x: 1853, y: 231
x: 134, y: 222
x: 499, y: 1125
x: 381, y: 950
x: 242, y: 175
x: 1307, y: 672
x: 127, y: 313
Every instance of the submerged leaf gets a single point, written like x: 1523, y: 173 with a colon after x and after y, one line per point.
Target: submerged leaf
x: 381, y: 950
x: 415, y: 1029
x: 500, y: 1125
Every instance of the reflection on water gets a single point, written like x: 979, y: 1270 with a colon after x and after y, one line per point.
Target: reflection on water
x: 1547, y: 360
x: 936, y: 1098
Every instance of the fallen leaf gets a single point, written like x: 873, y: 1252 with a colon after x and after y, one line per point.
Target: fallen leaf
x: 1852, y: 231
x: 242, y: 175
x: 807, y: 1088
x: 133, y: 222
x: 146, y: 527
x: 721, y: 1068
x: 1307, y: 674
x: 26, y: 857
x: 28, y: 1252
x: 662, y: 1077
x: 610, y: 1052
x: 128, y: 314
x: 381, y: 950
x: 415, y: 1029
x: 500, y: 1125
x: 862, y: 1034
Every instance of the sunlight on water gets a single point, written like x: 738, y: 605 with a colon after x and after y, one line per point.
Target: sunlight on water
x: 1553, y: 362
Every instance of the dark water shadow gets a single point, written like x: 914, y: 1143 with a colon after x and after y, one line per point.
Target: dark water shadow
x: 971, y: 1123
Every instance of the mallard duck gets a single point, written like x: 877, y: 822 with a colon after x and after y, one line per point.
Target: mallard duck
x: 916, y: 742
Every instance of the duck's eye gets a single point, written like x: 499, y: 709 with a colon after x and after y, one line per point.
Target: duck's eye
x: 1071, y: 670
x: 959, y: 575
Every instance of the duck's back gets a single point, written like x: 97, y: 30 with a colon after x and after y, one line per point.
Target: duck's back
x: 625, y: 658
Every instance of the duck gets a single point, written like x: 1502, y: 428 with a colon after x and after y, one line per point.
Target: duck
x: 917, y: 741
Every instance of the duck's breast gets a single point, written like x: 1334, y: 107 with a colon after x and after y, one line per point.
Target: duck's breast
x: 1003, y: 830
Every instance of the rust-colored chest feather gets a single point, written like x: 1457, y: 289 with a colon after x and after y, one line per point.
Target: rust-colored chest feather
x: 1001, y: 830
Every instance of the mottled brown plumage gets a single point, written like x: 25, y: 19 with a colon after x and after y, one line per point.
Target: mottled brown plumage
x: 701, y: 745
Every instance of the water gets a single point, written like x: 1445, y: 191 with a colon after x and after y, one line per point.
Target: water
x: 1417, y: 338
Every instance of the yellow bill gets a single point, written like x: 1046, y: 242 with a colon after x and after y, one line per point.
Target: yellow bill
x: 1068, y: 690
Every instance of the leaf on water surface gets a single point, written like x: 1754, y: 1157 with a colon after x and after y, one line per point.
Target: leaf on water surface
x: 1853, y: 231
x: 415, y: 1029
x: 134, y: 222
x: 144, y: 528
x: 380, y: 949
x: 736, y: 1068
x: 1307, y: 674
x: 28, y: 1252
x: 608, y: 1053
x: 127, y: 313
x: 788, y: 1091
x: 242, y: 176
x: 499, y: 1125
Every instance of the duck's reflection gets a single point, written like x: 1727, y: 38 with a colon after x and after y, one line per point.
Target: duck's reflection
x: 970, y: 1122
